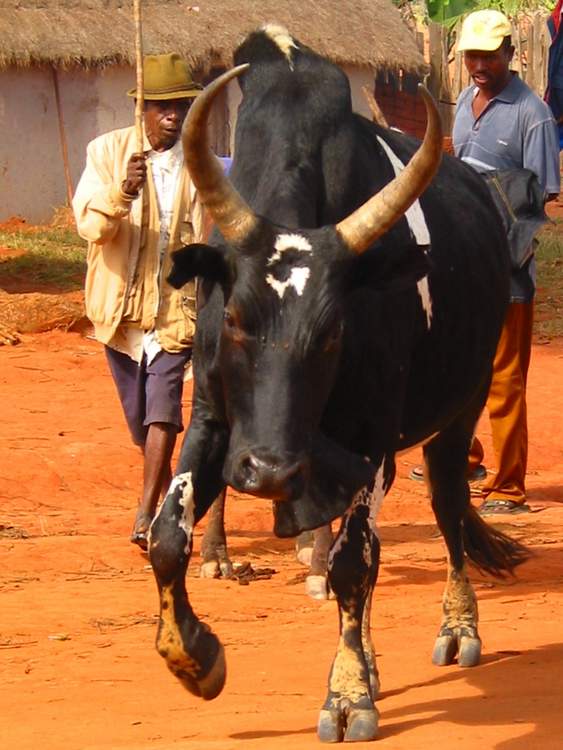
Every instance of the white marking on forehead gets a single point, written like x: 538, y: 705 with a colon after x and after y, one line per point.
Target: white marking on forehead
x: 414, y: 214
x: 299, y: 274
x: 424, y: 294
x: 297, y: 280
x: 282, y: 38
x: 289, y: 242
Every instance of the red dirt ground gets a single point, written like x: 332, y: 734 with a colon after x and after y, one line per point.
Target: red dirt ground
x: 79, y: 668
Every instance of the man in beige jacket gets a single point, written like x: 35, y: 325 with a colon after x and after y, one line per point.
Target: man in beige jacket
x: 135, y: 210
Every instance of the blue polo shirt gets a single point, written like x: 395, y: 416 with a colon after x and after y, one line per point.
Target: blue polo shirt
x: 515, y: 130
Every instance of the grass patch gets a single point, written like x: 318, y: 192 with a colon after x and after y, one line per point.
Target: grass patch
x: 548, y: 323
x: 47, y: 259
x: 53, y: 259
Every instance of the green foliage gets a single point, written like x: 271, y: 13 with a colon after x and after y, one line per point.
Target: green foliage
x: 55, y: 259
x: 53, y: 256
x: 449, y: 12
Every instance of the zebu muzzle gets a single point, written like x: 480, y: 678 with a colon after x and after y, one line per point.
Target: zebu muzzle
x: 259, y: 472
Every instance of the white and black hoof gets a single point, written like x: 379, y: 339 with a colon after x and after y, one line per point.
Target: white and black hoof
x: 445, y: 650
x: 449, y: 645
x: 469, y: 651
x: 216, y: 569
x: 348, y: 723
x: 316, y: 587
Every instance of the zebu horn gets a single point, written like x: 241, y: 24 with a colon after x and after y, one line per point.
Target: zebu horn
x: 230, y: 212
x: 377, y: 215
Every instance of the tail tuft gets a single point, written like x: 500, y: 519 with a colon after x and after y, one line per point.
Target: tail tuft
x: 490, y: 550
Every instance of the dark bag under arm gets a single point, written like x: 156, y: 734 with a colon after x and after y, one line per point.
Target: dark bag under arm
x: 520, y: 201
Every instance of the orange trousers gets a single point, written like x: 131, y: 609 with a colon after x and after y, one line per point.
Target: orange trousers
x: 506, y: 405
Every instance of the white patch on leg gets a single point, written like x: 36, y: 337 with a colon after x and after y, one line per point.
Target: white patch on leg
x: 373, y: 500
x: 425, y: 298
x: 186, y: 520
x: 340, y: 540
x: 414, y: 214
x: 376, y: 500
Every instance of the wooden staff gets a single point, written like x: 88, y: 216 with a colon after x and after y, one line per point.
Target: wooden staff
x: 376, y: 112
x: 139, y: 103
x: 62, y: 136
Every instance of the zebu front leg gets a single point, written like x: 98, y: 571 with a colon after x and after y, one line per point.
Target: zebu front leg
x: 191, y: 651
x: 349, y: 712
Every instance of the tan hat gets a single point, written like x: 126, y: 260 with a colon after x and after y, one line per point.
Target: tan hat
x: 167, y: 77
x: 484, y: 30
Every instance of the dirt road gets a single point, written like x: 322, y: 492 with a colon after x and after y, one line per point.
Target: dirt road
x: 78, y: 665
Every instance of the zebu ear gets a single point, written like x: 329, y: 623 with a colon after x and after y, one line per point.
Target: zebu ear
x: 206, y: 261
x: 394, y: 268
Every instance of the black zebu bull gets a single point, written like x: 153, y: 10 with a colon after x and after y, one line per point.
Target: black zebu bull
x: 328, y: 340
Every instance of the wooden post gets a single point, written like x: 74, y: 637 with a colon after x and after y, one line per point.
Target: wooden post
x: 537, y: 25
x: 375, y: 109
x: 436, y: 58
x: 139, y: 102
x: 62, y: 136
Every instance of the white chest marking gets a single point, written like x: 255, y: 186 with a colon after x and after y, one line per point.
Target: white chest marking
x: 299, y: 275
x: 419, y: 228
x: 425, y: 298
x: 414, y: 215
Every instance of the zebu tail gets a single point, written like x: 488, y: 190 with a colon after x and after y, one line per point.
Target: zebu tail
x: 489, y: 549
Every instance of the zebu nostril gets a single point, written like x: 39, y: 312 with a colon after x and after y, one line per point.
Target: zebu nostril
x: 269, y: 477
x: 249, y: 470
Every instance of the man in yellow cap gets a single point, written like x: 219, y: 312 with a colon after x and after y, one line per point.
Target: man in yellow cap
x: 135, y: 209
x: 501, y: 124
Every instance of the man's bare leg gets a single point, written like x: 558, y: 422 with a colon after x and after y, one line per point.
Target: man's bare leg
x: 157, y: 474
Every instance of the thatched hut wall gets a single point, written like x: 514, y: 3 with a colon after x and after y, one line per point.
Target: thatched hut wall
x: 89, y: 45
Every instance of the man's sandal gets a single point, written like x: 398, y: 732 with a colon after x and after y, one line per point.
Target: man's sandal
x: 139, y: 535
x: 476, y: 475
x: 507, y: 507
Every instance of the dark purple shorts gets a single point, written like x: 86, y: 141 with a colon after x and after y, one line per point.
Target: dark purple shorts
x: 149, y: 393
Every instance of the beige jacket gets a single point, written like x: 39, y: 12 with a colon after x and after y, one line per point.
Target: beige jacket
x: 122, y: 280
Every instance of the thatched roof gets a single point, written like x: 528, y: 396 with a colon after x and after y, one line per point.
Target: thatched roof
x: 95, y: 33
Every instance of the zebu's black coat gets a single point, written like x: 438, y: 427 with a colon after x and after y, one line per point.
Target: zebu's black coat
x: 315, y: 365
x: 303, y: 159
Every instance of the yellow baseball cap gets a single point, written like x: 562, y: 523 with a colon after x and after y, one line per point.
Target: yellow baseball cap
x: 484, y: 30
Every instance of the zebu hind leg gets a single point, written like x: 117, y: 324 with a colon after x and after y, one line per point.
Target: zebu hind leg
x: 191, y: 651
x: 316, y: 584
x: 215, y: 557
x: 349, y: 712
x: 446, y: 458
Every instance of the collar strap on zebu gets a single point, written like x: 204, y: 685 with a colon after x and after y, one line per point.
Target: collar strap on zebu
x: 234, y: 217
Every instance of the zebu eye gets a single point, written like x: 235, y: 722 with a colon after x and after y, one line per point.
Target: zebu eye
x: 228, y: 318
x: 333, y: 338
x: 232, y: 328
